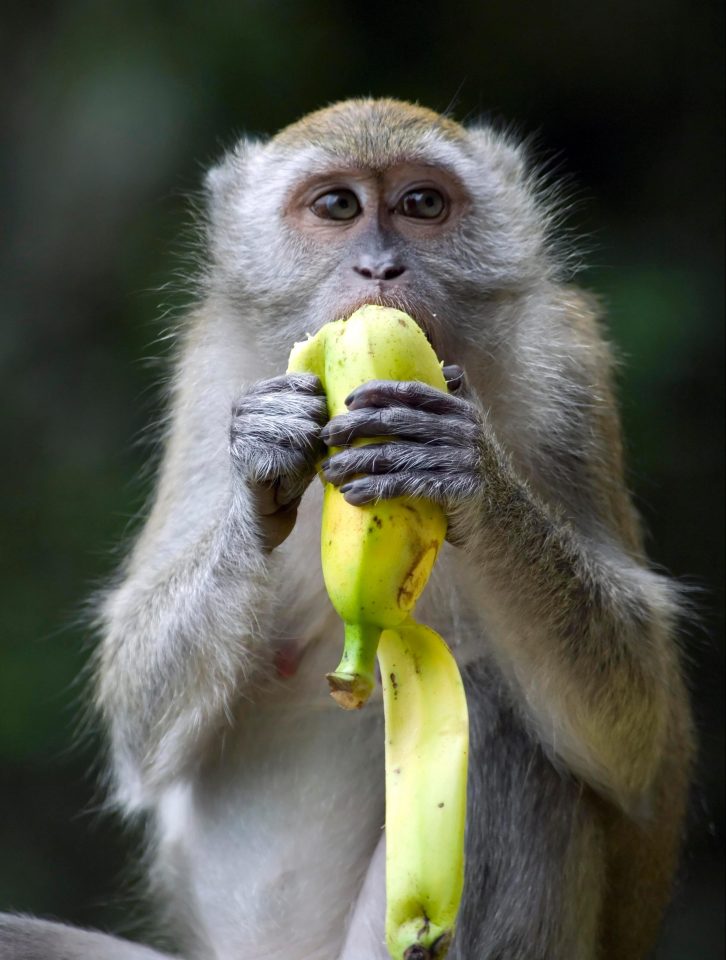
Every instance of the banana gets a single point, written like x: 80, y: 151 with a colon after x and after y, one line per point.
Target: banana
x: 376, y: 558
x: 376, y: 562
x: 427, y: 734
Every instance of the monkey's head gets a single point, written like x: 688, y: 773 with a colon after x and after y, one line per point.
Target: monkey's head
x: 374, y: 201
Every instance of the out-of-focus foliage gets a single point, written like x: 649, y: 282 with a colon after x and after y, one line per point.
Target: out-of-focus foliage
x: 111, y: 111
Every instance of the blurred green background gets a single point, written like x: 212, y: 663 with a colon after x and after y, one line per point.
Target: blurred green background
x: 110, y: 113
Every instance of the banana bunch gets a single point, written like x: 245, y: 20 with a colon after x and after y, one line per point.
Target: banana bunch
x: 377, y: 559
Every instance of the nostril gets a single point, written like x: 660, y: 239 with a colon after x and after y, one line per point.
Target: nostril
x: 382, y: 272
x: 364, y: 272
x: 392, y: 272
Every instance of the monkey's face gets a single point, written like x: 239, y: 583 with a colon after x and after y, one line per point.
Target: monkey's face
x: 375, y: 236
x: 372, y: 202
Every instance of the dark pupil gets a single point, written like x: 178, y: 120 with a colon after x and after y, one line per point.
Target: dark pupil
x: 422, y: 203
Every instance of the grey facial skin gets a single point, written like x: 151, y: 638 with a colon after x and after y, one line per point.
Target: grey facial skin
x: 263, y: 801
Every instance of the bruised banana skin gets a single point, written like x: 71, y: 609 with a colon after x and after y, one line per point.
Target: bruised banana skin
x: 376, y: 558
x: 427, y: 737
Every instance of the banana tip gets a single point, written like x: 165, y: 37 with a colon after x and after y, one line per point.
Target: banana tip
x: 436, y: 951
x: 349, y: 690
x: 417, y: 952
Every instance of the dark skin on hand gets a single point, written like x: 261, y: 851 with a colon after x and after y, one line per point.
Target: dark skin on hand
x: 280, y: 513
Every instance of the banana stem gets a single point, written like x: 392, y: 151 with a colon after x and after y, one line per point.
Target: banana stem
x: 352, y: 682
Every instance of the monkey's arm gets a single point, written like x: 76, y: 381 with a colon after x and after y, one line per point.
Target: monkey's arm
x: 579, y: 623
x: 25, y: 938
x: 186, y: 626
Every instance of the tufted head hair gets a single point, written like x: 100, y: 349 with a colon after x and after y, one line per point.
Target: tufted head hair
x: 372, y: 134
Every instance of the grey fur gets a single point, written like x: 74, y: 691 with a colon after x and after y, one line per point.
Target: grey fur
x: 275, y: 434
x: 25, y: 938
x: 264, y: 802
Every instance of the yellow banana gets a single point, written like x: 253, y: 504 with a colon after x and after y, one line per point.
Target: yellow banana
x: 376, y: 562
x: 376, y: 558
x: 426, y: 766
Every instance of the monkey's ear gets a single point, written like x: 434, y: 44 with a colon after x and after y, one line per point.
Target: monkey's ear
x: 500, y: 153
x: 226, y: 177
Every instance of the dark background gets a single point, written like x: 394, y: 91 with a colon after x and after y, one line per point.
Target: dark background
x: 111, y: 111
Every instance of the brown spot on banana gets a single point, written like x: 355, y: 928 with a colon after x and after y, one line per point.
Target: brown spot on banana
x: 415, y: 579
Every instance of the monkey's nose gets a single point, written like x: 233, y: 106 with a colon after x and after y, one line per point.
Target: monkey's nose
x: 388, y: 269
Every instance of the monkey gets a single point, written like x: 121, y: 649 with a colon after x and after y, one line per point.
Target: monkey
x: 263, y: 802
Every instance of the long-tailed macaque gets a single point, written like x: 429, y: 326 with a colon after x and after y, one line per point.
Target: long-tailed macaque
x: 263, y: 800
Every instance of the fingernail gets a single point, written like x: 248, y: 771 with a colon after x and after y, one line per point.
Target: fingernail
x: 453, y: 371
x: 325, y: 464
x: 350, y: 398
x: 346, y: 487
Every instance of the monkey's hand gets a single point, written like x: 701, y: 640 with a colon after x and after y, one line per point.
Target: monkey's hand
x: 436, y: 449
x: 275, y: 445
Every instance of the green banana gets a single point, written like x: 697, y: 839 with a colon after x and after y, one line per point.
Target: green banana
x: 427, y: 735
x: 376, y: 558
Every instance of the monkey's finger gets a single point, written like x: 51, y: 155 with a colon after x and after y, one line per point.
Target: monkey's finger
x: 263, y: 498
x: 267, y: 470
x: 402, y: 422
x: 405, y: 393
x: 256, y: 433
x: 306, y: 383
x: 271, y: 498
x: 277, y: 526
x: 289, y: 491
x: 279, y: 403
x: 454, y: 376
x: 277, y: 417
x: 442, y: 487
x: 377, y: 458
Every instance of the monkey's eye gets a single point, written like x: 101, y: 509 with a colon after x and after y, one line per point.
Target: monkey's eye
x: 336, y: 205
x: 421, y: 204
